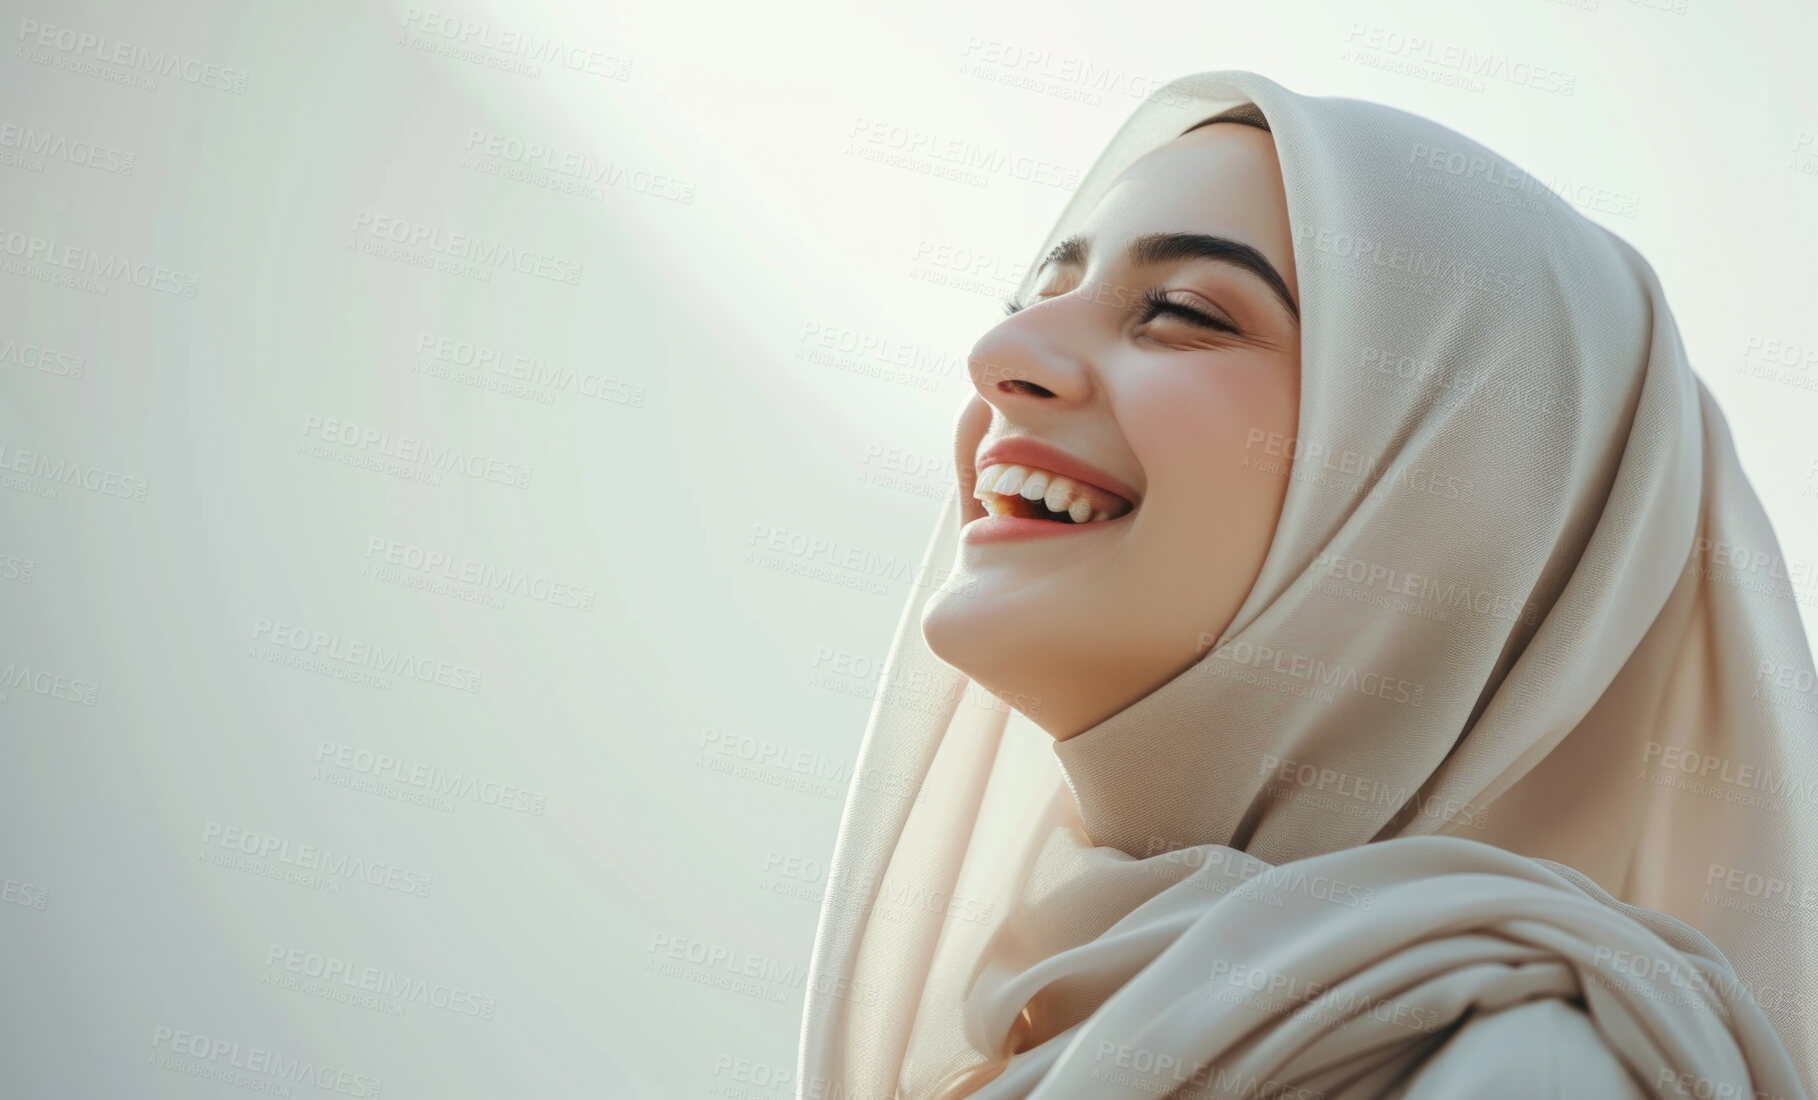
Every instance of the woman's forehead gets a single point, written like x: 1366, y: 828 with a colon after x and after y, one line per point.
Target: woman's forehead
x: 1221, y: 180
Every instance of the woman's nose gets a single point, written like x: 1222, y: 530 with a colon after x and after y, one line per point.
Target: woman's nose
x: 1038, y: 354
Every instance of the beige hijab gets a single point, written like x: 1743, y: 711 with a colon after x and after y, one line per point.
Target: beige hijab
x: 1522, y: 686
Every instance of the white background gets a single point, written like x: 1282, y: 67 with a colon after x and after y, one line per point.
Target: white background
x: 730, y: 214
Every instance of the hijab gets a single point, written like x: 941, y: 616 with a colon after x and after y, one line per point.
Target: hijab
x: 1520, y: 692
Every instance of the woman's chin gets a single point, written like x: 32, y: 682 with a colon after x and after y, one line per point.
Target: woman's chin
x: 943, y: 626
x: 960, y: 627
x: 992, y: 639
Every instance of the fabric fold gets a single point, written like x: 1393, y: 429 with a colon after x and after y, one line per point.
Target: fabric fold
x: 1340, y: 975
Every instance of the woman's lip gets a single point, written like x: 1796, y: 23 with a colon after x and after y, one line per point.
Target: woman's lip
x: 1008, y: 528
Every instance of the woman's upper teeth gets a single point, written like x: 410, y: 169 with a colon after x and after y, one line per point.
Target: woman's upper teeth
x: 1084, y: 503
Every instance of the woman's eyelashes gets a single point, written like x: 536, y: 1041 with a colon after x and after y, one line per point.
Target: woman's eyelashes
x: 1155, y: 303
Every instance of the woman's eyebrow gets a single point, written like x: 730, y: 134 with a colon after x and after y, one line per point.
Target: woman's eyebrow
x: 1153, y: 249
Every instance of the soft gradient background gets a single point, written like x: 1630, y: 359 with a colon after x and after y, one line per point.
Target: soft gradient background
x: 706, y: 469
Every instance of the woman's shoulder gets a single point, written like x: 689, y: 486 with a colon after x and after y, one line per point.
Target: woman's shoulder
x: 1543, y: 1048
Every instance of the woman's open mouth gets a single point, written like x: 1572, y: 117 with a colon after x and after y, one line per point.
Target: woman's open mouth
x: 1022, y: 501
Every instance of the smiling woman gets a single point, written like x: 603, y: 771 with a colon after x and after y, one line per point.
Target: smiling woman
x: 1164, y: 333
x: 1339, y: 544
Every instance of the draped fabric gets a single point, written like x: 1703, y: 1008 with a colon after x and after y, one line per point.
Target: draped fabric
x: 1515, y: 736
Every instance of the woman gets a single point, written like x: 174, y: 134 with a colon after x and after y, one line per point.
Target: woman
x: 1352, y: 663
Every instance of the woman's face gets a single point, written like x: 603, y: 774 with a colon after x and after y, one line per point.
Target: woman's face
x: 1170, y: 429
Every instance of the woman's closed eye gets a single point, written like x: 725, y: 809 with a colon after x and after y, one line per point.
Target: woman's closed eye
x: 1155, y: 303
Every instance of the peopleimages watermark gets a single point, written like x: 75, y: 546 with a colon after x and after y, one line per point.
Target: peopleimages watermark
x: 1312, y: 462
x: 1468, y: 384
x: 45, y: 360
x: 1450, y: 63
x: 434, y: 243
x: 1775, y: 359
x: 1769, y: 897
x: 750, y: 1079
x: 358, y: 653
x: 823, y: 559
x: 391, y: 556
x: 1141, y: 1069
x: 19, y: 570
x: 1805, y: 154
x: 253, y: 1067
x: 83, y: 52
x: 773, y: 763
x: 1316, y: 674
x: 1420, y: 594
x: 1751, y: 785
x: 1310, y: 1002
x: 1476, y: 175
x: 793, y: 876
x: 928, y: 476
x: 1698, y: 1087
x: 933, y: 153
x: 916, y: 365
x: 307, y: 865
x: 741, y: 971
x: 25, y: 895
x: 1755, y: 560
x: 847, y: 673
x: 337, y: 979
x: 1675, y: 980
x: 899, y: 901
x: 526, y: 376
x: 23, y: 146
x: 48, y: 472
x: 526, y: 50
x: 1241, y: 875
x: 566, y: 171
x: 384, y: 767
x: 403, y: 455
x: 1400, y: 265
x: 1063, y: 76
x: 63, y: 264
x: 1788, y: 687
x: 1753, y: 570
x: 1307, y: 783
x: 966, y: 269
x: 51, y: 685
